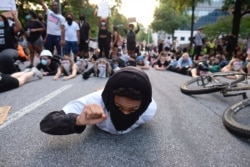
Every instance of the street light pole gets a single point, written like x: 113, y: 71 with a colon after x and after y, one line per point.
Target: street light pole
x: 192, y: 24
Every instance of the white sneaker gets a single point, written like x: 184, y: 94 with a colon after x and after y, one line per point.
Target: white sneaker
x: 27, y: 70
x: 37, y: 73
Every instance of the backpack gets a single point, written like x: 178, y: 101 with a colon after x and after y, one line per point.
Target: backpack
x: 130, y: 36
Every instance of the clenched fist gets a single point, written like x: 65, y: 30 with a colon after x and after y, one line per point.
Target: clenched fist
x: 91, y: 114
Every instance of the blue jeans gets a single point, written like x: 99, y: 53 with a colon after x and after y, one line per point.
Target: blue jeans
x: 53, y: 41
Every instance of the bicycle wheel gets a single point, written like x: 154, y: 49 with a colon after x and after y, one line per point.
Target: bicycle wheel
x: 236, y: 118
x: 210, y: 83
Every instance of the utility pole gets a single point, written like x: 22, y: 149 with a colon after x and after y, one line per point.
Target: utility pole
x: 192, y: 24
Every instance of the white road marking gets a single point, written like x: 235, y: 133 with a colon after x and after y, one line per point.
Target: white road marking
x: 17, y: 115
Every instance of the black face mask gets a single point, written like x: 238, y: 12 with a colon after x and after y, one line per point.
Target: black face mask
x: 55, y: 10
x: 40, y: 19
x: 69, y: 20
x: 81, y: 18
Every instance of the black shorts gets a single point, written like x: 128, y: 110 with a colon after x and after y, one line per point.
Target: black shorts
x: 8, y: 82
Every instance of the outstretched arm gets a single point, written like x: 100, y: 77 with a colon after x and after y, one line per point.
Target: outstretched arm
x: 43, y: 5
x: 60, y: 123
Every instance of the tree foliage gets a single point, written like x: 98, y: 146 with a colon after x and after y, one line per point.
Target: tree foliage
x: 168, y: 19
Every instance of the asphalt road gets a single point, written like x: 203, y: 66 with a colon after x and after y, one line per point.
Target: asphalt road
x: 187, y: 131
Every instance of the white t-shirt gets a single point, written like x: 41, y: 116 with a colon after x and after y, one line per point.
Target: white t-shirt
x: 71, y: 31
x: 54, y: 22
x: 77, y: 107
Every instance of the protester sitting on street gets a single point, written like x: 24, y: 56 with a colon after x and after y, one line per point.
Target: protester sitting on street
x: 9, y: 43
x: 117, y: 109
x: 18, y: 79
x: 47, y: 64
x: 67, y: 68
x: 162, y: 62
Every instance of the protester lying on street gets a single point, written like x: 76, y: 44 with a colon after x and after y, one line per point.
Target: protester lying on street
x: 67, y: 68
x: 118, y: 109
x: 48, y: 64
x: 183, y: 64
x: 101, y: 68
x: 15, y: 80
x: 162, y: 62
x: 235, y: 64
x: 199, y: 69
x: 142, y: 63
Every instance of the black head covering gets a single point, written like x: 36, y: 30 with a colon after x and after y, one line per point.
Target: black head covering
x: 128, y: 77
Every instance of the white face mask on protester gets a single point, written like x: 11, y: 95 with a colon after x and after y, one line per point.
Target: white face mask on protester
x: 237, y: 65
x: 66, y: 65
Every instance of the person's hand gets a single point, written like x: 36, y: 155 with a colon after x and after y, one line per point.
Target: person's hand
x: 55, y: 78
x: 91, y: 114
x: 45, y: 73
x: 13, y: 13
x: 62, y: 42
x: 65, y: 78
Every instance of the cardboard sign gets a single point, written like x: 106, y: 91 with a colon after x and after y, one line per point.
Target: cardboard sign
x: 131, y: 19
x: 7, y: 5
x: 92, y: 44
x: 103, y: 9
x: 4, y: 113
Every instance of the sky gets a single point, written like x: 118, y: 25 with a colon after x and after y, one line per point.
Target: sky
x: 143, y: 10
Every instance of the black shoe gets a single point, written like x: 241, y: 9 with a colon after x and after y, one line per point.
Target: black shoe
x: 85, y: 76
x: 29, y: 66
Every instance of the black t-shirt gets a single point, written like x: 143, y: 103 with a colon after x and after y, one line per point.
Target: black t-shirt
x: 34, y: 35
x: 51, y: 69
x: 84, y: 30
x: 8, y: 39
x: 165, y: 64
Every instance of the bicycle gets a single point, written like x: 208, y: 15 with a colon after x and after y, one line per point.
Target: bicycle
x: 235, y: 117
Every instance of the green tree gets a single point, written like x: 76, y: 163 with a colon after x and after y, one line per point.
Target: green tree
x: 238, y: 8
x: 168, y: 19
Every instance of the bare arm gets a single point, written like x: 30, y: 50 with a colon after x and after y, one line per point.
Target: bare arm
x: 18, y: 25
x: 73, y: 74
x: 43, y: 5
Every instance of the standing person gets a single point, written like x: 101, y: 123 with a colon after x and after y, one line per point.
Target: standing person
x: 167, y: 44
x: 41, y: 19
x: 33, y: 32
x: 55, y: 28
x: 72, y: 36
x: 84, y: 36
x: 199, y: 42
x: 115, y: 40
x: 8, y: 43
x: 118, y: 109
x: 104, y: 39
x: 131, y: 41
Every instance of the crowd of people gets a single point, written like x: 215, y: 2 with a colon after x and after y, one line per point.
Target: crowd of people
x: 62, y: 45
